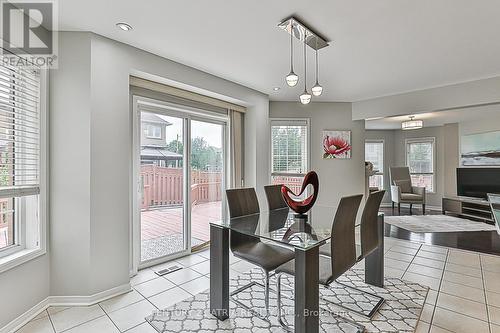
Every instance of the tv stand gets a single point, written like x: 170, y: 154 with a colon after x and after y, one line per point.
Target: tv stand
x: 472, y: 208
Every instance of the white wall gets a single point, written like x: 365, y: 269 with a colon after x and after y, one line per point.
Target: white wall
x: 91, y: 209
x: 23, y: 287
x: 456, y: 96
x: 446, y: 153
x: 338, y: 177
x: 70, y: 167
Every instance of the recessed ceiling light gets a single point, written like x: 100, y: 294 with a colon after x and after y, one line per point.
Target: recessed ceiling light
x: 124, y: 26
x: 276, y: 88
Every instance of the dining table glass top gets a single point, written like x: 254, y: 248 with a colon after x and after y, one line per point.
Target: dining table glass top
x: 285, y: 226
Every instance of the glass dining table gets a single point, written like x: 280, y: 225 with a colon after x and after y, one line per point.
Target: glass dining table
x: 303, y: 234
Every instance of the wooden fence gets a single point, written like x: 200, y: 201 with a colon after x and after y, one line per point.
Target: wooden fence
x: 164, y: 186
x: 294, y: 183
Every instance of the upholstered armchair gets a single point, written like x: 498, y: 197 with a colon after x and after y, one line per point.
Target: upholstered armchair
x: 402, y: 192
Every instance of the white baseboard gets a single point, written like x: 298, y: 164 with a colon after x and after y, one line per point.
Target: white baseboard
x: 24, y: 318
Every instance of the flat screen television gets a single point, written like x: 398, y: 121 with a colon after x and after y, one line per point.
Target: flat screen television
x: 478, y: 182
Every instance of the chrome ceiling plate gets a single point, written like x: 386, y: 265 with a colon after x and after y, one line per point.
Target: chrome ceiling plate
x: 300, y: 31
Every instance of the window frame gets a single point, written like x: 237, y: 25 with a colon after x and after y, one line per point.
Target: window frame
x: 290, y: 122
x: 381, y: 172
x: 431, y: 140
x: 22, y: 252
x: 154, y: 127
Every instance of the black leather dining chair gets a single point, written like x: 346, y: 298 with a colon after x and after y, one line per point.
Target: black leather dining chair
x: 343, y: 250
x: 274, y: 197
x: 369, y: 241
x: 243, y: 202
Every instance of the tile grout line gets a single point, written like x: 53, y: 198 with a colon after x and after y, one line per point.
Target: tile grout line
x: 439, y: 288
x: 485, y: 298
x: 107, y: 315
x: 50, y: 319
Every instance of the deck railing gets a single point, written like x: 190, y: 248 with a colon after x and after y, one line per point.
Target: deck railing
x: 164, y: 186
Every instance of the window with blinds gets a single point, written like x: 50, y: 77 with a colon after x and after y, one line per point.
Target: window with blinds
x: 374, y: 153
x: 19, y: 152
x: 289, y: 152
x: 420, y: 160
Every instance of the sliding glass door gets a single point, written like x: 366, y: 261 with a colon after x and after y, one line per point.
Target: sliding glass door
x: 163, y: 224
x: 207, y: 175
x: 181, y: 181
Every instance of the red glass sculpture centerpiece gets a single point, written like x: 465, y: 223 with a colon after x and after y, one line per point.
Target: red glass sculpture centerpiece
x: 301, y: 207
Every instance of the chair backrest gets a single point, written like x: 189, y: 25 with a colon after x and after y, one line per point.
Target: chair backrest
x: 368, y: 229
x: 274, y: 197
x: 343, y: 242
x: 399, y: 173
x: 242, y: 201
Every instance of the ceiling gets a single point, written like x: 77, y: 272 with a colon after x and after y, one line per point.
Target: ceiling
x: 378, y: 47
x: 440, y: 118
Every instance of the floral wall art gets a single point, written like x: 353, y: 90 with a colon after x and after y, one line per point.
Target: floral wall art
x: 336, y: 144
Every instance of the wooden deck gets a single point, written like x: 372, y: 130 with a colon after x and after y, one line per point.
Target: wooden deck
x: 158, y: 222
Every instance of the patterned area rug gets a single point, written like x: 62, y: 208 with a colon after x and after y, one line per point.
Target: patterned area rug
x: 437, y: 223
x: 399, y: 313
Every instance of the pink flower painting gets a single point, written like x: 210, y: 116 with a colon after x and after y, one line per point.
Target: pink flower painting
x: 337, y: 144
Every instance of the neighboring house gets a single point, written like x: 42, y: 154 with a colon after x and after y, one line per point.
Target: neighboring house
x: 153, y: 141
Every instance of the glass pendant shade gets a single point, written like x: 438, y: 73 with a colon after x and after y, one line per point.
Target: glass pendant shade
x: 292, y: 79
x: 305, y: 98
x: 317, y: 89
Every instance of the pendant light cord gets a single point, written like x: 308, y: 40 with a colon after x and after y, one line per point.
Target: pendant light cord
x: 317, y: 60
x: 305, y: 62
x: 291, y: 46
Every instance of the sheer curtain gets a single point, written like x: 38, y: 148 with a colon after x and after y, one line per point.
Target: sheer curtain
x: 236, y: 120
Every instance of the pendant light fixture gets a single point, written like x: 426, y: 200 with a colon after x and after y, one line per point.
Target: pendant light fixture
x: 291, y: 79
x: 305, y: 98
x: 317, y: 89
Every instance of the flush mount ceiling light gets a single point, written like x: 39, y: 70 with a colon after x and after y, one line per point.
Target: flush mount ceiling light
x: 310, y: 38
x: 412, y: 124
x: 276, y: 88
x: 124, y: 26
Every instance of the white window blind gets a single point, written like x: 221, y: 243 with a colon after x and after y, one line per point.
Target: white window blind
x: 289, y: 152
x: 374, y: 153
x: 19, y: 131
x: 289, y: 147
x: 420, y: 160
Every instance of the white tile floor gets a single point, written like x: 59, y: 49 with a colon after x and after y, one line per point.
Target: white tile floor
x: 464, y: 295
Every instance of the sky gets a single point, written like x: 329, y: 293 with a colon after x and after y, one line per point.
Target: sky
x: 212, y: 133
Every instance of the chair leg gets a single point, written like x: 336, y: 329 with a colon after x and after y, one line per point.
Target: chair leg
x: 399, y: 208
x: 411, y: 206
x: 266, y: 291
x: 423, y: 209
x: 278, y: 301
x: 393, y: 207
x: 266, y: 288
x: 380, y: 301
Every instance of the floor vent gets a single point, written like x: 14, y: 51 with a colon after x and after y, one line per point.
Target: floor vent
x: 168, y: 270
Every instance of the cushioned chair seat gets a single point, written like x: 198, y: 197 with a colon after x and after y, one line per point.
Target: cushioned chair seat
x: 411, y: 197
x: 325, y: 270
x: 266, y: 256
